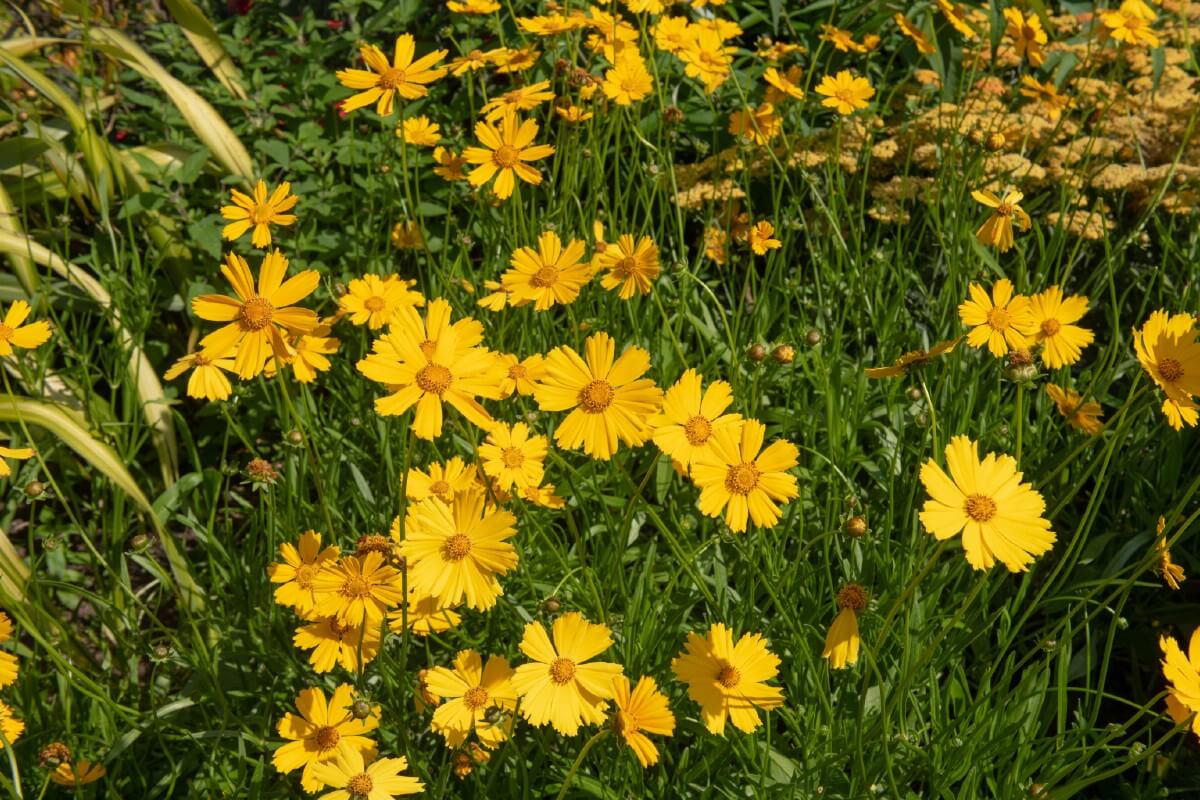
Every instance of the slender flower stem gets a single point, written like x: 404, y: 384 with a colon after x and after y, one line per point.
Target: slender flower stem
x: 579, y: 760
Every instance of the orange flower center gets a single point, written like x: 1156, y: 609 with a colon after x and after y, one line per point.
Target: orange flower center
x: 338, y: 628
x: 392, y: 79
x: 305, y: 574
x: 1170, y: 370
x: 6, y: 332
x: 327, y: 737
x: 356, y: 586
x: 262, y: 214
x: 505, y: 156
x: 546, y: 276
x: 601, y: 246
x: 1050, y: 327
x: 980, y: 507
x: 742, y: 478
x: 1004, y: 210
x: 562, y: 670
x: 596, y: 396
x: 1027, y: 32
x: 360, y: 785
x: 427, y: 348
x: 729, y: 676
x: 513, y: 97
x: 440, y: 488
x: 697, y: 430
x: 625, y: 267
x: 852, y: 596
x: 256, y: 313
x: 475, y: 698
x: 998, y: 318
x: 374, y: 303
x: 199, y: 360
x: 845, y: 94
x: 517, y: 372
x: 456, y: 547
x: 513, y: 457
x: 434, y: 378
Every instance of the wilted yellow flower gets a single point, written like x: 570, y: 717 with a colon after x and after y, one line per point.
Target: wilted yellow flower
x: 207, y: 382
x: 1172, y: 573
x: 842, y: 642
x: 450, y: 165
x: 911, y: 359
x: 997, y: 231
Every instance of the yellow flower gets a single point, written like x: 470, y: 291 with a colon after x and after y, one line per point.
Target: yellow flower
x: 762, y: 238
x: 671, y: 34
x: 729, y: 680
x: 333, y: 642
x: 419, y: 132
x: 1172, y: 573
x: 505, y: 151
x: 10, y: 666
x: 912, y: 359
x: 443, y: 481
x: 918, y: 36
x: 512, y: 457
x: 17, y: 453
x: 735, y: 477
x: 572, y: 114
x: 628, y: 81
x: 842, y: 642
x: 426, y: 371
x: 715, y: 249
x: 643, y: 709
x: 543, y: 496
x: 1000, y: 517
x: 1001, y: 321
x: 783, y: 86
x: 561, y: 685
x: 759, y: 125
x: 1027, y: 35
x: 259, y: 212
x: 705, y: 56
x: 302, y: 562
x: 321, y: 731
x: 521, y: 376
x: 523, y: 98
x: 206, y: 382
x: 1084, y: 416
x: 455, y: 552
x: 10, y: 725
x: 24, y: 337
x: 1053, y: 317
x: 1127, y: 25
x: 352, y: 778
x: 841, y: 39
x: 380, y: 85
x: 609, y: 400
x: 471, y: 693
x: 509, y: 60
x: 373, y: 301
x: 1183, y: 676
x: 407, y: 235
x: 631, y: 267
x: 1167, y: 349
x: 357, y: 589
x: 844, y: 92
x: 1047, y: 96
x: 473, y: 6
x: 308, y: 355
x: 425, y: 615
x: 550, y: 24
x: 684, y: 428
x: 997, y: 231
x: 257, y: 319
x: 450, y: 165
x: 956, y: 16
x: 80, y: 773
x: 549, y: 275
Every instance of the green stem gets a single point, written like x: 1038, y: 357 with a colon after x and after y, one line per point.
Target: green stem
x: 575, y: 766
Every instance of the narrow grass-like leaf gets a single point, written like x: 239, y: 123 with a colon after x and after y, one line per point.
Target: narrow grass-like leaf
x: 204, y: 38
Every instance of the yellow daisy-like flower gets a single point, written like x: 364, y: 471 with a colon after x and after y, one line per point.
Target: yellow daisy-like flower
x: 630, y: 267
x: 729, y: 680
x: 426, y: 372
x: 425, y: 615
x: 10, y: 725
x: 443, y: 481
x: 380, y: 85
x: 997, y: 230
x: 470, y: 694
x: 15, y: 453
x: 505, y: 153
x: 357, y: 589
x: 1000, y: 517
x: 419, y: 132
x: 355, y: 777
x: 1027, y: 34
x: 841, y: 39
x: 450, y: 165
x: 609, y: 401
x: 455, y: 553
x: 671, y: 34
x: 784, y: 86
x: 1126, y: 25
x: 302, y: 562
x: 1182, y: 672
x: 956, y: 16
x: 918, y: 37
x: 1084, y: 416
x: 629, y: 81
x: 1172, y: 573
x: 521, y: 376
x: 1000, y: 321
x: 913, y: 359
x: 844, y: 92
x: 320, y: 731
x: 1047, y: 96
x: 758, y: 125
x: 762, y: 238
x: 543, y: 496
x: 549, y: 275
x: 407, y: 235
x: 308, y: 355
x: 258, y: 318
x: 689, y: 417
x: 523, y: 98
x: 10, y: 666
x: 474, y: 6
x: 79, y: 773
x: 640, y: 711
x: 207, y: 381
x: 706, y: 56
x: 561, y: 685
x: 512, y: 457
x: 1167, y: 349
x: 738, y: 479
x: 373, y: 301
x: 13, y: 334
x: 1054, y: 317
x: 259, y: 212
x: 333, y: 642
x: 842, y: 642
